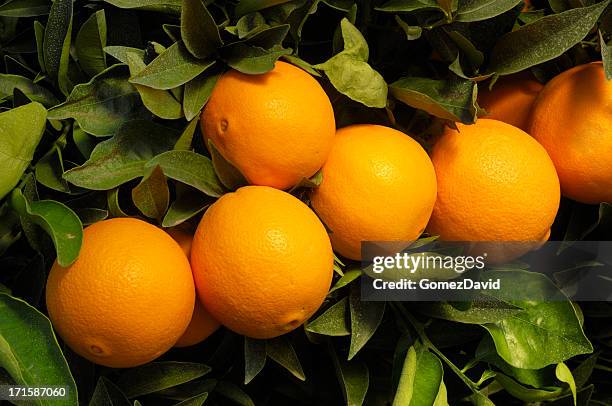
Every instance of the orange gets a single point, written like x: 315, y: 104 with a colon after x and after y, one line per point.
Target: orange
x: 262, y: 261
x: 572, y: 119
x: 378, y: 185
x: 127, y: 298
x: 276, y: 128
x: 511, y: 99
x: 202, y: 324
x: 495, y: 183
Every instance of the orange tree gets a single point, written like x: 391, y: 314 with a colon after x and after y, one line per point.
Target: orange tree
x: 101, y: 103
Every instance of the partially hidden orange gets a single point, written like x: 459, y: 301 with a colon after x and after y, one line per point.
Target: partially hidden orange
x: 128, y: 297
x: 572, y: 119
x: 262, y: 261
x: 378, y: 185
x: 276, y: 128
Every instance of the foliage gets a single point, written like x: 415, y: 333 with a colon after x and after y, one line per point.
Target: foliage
x: 100, y: 100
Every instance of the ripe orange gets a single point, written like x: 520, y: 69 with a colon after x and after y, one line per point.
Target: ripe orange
x: 378, y: 185
x: 202, y: 324
x: 127, y: 298
x: 276, y: 128
x: 495, y: 183
x: 572, y: 119
x: 511, y: 99
x: 262, y: 261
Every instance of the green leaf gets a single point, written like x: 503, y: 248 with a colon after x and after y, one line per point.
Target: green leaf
x: 108, y: 394
x: 157, y: 376
x: 525, y: 393
x: 29, y: 351
x: 350, y: 72
x: 152, y: 196
x: 281, y: 351
x: 252, y: 60
x: 90, y: 43
x: 56, y: 44
x: 228, y: 174
x: 478, y: 312
x: 354, y: 378
x: 233, y: 392
x: 546, y: 332
x: 421, y: 382
x: 188, y: 203
x: 606, y: 56
x: 186, y: 139
x: 582, y: 373
x: 365, y: 319
x: 159, y: 102
x: 191, y: 169
x: 448, y: 99
x: 25, y: 8
x: 249, y: 6
x: 58, y: 220
x: 112, y: 201
x: 120, y: 53
x: 197, y: 400
x: 197, y: 93
x: 407, y: 6
x: 348, y: 277
x: 543, y: 40
x: 412, y: 32
x: 163, y: 6
x: 123, y: 157
x: 39, y: 36
x: 333, y: 322
x: 34, y: 92
x: 103, y: 104
x: 198, y: 29
x: 49, y: 170
x: 20, y: 132
x: 478, y: 10
x: 564, y: 374
x: 172, y: 68
x: 254, y: 358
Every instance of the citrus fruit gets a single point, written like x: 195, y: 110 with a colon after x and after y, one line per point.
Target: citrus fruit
x: 276, y: 128
x: 495, y: 184
x: 202, y: 324
x: 378, y: 185
x: 572, y: 119
x: 127, y: 298
x: 262, y: 261
x: 511, y: 99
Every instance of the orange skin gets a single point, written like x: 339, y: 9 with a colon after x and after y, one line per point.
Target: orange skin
x: 276, y: 128
x: 378, y: 185
x: 495, y: 183
x: 262, y: 261
x: 128, y: 297
x: 572, y: 119
x: 511, y: 99
x: 202, y: 324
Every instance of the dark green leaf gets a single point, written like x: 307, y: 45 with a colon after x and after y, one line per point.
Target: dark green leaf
x: 58, y: 220
x: 525, y: 393
x: 24, y: 8
x: 112, y: 201
x: 477, y: 10
x: 348, y: 277
x: 233, y: 392
x: 152, y: 196
x: 254, y: 358
x: 103, y: 104
x: 35, y: 92
x: 29, y: 351
x: 174, y: 67
x: 478, y: 312
x: 197, y: 93
x: 188, y: 203
x: 164, y: 6
x: 606, y: 56
x: 408, y: 5
x: 108, y: 394
x: 191, y: 169
x: 365, y: 319
x: 90, y: 43
x: 354, y: 378
x: 228, y: 174
x: 198, y: 29
x: 49, y: 170
x: 56, y: 43
x: 281, y: 351
x: 123, y: 157
x: 249, y: 6
x: 20, y: 132
x: 252, y: 60
x: 157, y: 376
x: 120, y: 53
x: 543, y: 40
x: 412, y: 32
x: 451, y: 100
x: 197, y: 400
x: 333, y: 322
